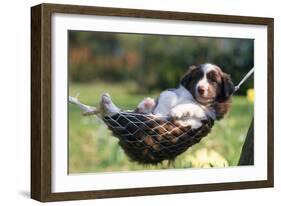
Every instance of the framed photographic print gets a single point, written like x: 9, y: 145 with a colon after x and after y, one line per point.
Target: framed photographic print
x: 130, y: 102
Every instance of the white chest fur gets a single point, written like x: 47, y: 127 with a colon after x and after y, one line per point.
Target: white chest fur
x: 179, y: 103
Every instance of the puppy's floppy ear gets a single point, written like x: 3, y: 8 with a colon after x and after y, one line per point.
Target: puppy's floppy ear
x: 227, y: 88
x: 187, y: 76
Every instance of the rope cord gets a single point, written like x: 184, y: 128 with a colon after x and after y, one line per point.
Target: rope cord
x: 244, y: 79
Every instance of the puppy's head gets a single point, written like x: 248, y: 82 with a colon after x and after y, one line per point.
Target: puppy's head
x: 207, y: 83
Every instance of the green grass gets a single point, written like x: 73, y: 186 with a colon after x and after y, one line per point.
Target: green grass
x: 92, y: 148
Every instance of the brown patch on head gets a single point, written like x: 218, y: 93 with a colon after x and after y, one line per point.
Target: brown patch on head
x: 225, y: 89
x: 207, y: 83
x: 214, y: 76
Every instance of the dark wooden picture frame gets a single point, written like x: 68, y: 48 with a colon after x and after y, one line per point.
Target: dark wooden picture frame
x: 41, y: 117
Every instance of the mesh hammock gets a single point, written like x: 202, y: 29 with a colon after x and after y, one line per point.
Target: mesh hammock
x: 149, y: 139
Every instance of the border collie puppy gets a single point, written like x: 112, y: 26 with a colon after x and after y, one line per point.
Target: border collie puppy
x: 204, y: 92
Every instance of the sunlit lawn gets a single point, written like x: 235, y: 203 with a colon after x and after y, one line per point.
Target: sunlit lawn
x: 92, y: 148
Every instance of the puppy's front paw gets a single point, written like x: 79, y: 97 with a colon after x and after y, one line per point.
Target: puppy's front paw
x: 178, y: 114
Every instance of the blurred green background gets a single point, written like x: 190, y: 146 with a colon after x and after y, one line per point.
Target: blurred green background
x: 133, y: 66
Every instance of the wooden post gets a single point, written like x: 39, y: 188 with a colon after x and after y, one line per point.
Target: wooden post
x: 247, y: 154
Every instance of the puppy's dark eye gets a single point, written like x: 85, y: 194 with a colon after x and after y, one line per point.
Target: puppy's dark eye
x: 212, y: 77
x: 213, y: 80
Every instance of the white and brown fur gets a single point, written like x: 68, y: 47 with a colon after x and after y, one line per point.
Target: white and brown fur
x: 204, y: 92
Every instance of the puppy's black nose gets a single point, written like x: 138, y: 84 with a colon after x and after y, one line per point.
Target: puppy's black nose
x: 201, y: 90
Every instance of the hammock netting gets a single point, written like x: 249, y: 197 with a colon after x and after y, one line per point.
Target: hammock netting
x: 148, y: 139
